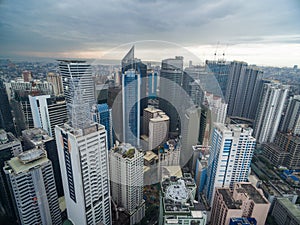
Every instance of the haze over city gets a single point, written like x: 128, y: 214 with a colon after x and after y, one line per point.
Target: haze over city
x: 259, y: 32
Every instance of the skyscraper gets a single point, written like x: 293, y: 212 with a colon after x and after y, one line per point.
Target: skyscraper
x: 82, y: 151
x: 131, y: 88
x: 152, y: 84
x: 231, y: 152
x: 291, y: 120
x: 102, y: 115
x: 47, y: 112
x: 77, y: 75
x: 56, y: 82
x: 33, y: 187
x: 270, y: 109
x: 171, y: 76
x: 84, y: 168
x: 127, y: 182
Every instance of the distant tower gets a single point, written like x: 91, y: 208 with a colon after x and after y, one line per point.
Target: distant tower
x: 270, y: 109
x: 291, y: 120
x: 32, y: 184
x: 127, y: 181
x: 231, y: 152
x: 56, y: 81
x: 131, y: 88
x: 172, y: 74
x: 6, y: 119
x: 152, y: 84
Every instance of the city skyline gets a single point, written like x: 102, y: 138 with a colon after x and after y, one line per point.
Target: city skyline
x: 260, y: 33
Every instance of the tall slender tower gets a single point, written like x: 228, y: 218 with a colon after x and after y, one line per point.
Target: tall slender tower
x: 74, y: 72
x: 230, y: 157
x: 83, y: 158
x: 270, y: 109
x: 33, y: 186
x: 127, y: 182
x: 291, y: 120
x: 131, y: 89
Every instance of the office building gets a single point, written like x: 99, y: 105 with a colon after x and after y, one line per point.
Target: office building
x: 244, y: 201
x: 231, y: 152
x: 56, y: 82
x: 152, y: 83
x: 285, y: 212
x: 291, y: 119
x: 217, y: 106
x: 47, y: 112
x: 37, y: 137
x: 270, y: 109
x: 129, y: 62
x: 127, y: 182
x: 77, y: 75
x: 102, y: 115
x: 84, y: 168
x: 177, y: 202
x: 221, y: 70
x: 190, y: 134
x: 26, y: 75
x: 32, y: 185
x: 10, y: 147
x: 131, y: 92
x: 171, y: 76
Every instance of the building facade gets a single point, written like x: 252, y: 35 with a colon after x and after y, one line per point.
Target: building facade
x: 32, y: 184
x: 291, y: 119
x: 269, y: 112
x: 230, y: 157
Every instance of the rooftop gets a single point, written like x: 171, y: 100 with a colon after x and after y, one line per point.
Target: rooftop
x: 26, y: 161
x: 6, y: 139
x: 292, y: 208
x: 227, y: 198
x: 253, y: 193
x: 126, y: 150
x: 36, y: 135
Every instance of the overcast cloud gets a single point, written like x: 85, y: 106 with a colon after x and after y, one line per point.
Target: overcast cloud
x: 74, y: 28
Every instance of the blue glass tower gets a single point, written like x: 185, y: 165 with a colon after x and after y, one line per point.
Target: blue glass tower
x: 103, y: 116
x: 131, y: 91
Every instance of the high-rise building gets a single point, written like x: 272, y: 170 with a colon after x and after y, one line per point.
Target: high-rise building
x: 84, y: 168
x: 158, y: 130
x: 32, y: 185
x: 221, y: 70
x: 127, y: 182
x: 47, y: 112
x: 26, y: 75
x: 231, y: 153
x: 10, y: 147
x: 269, y: 112
x: 6, y: 119
x: 190, y: 134
x: 244, y: 201
x: 291, y: 120
x: 131, y: 92
x: 102, y: 115
x: 171, y: 76
x: 177, y: 202
x: 56, y: 82
x: 37, y: 137
x: 77, y: 75
x: 129, y: 62
x: 152, y: 83
x: 217, y: 106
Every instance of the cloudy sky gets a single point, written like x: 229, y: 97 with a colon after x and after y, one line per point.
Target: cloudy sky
x: 263, y: 32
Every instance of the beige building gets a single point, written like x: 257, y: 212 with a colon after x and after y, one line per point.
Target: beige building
x: 156, y: 126
x: 56, y: 81
x: 245, y: 201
